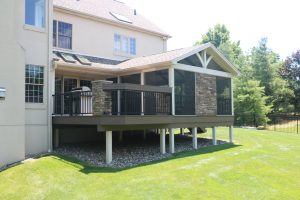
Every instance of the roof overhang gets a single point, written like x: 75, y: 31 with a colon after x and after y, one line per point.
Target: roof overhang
x: 217, y: 56
x: 148, y: 63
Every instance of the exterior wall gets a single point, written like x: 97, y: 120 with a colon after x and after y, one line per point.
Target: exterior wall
x: 35, y: 41
x: 206, y: 94
x: 101, y: 99
x: 12, y: 70
x: 24, y: 127
x: 96, y: 38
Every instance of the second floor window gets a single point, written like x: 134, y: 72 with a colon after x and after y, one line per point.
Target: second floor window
x: 62, y: 35
x: 35, y: 13
x: 123, y: 44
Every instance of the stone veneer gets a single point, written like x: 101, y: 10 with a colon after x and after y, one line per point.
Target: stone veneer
x: 206, y: 94
x: 101, y: 99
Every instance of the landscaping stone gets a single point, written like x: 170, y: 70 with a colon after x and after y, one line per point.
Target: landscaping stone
x: 130, y: 153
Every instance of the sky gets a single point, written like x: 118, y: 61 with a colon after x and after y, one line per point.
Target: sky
x: 248, y: 21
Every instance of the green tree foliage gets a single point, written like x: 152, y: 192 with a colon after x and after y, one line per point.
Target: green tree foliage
x: 266, y: 66
x: 291, y: 73
x: 250, y: 103
x: 261, y: 60
x: 219, y: 36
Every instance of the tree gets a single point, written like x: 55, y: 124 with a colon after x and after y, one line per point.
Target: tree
x: 219, y: 36
x: 266, y: 67
x: 291, y: 73
x: 250, y: 103
x: 261, y: 60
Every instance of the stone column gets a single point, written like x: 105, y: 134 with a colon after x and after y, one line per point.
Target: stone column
x: 102, y: 101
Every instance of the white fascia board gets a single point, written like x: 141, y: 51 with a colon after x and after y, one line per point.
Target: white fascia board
x: 227, y: 64
x: 202, y: 70
x: 231, y: 67
x: 201, y: 48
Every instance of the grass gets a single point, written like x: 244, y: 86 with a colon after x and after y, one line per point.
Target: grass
x: 261, y: 165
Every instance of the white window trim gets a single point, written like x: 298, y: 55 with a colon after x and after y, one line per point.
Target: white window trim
x: 37, y: 105
x: 57, y: 47
x: 120, y: 51
x: 34, y: 27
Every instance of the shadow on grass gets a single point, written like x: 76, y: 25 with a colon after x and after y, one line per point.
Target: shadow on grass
x: 88, y: 168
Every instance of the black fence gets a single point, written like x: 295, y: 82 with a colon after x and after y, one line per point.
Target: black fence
x: 275, y: 122
x: 73, y: 103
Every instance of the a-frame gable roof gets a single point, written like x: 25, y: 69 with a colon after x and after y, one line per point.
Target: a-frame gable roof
x: 166, y: 59
x: 174, y: 56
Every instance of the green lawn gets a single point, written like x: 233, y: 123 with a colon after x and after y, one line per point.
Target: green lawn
x: 261, y: 165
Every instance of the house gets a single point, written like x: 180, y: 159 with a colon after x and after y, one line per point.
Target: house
x: 72, y: 68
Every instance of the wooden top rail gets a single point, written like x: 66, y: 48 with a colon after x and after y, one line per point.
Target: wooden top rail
x: 136, y: 87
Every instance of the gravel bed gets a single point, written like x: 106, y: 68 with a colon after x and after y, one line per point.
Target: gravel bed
x: 128, y: 154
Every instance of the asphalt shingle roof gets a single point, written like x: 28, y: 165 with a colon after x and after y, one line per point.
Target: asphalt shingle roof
x: 104, y: 8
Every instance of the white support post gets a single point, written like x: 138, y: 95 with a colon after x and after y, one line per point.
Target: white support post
x: 142, y: 93
x: 171, y: 140
x: 108, y: 147
x: 232, y: 102
x: 120, y: 136
x: 162, y: 141
x: 172, y: 85
x: 119, y: 97
x: 200, y: 59
x: 214, y: 138
x: 195, y: 144
x: 56, y: 144
x: 230, y: 134
x: 204, y: 59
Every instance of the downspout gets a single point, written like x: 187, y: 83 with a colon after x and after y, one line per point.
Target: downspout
x: 49, y: 60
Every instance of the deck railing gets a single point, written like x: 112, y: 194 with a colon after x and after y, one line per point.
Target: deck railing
x: 224, y: 106
x: 126, y: 99
x: 73, y: 103
x: 131, y: 99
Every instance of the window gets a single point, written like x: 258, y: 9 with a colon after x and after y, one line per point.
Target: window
x: 157, y: 78
x: 35, y: 13
x: 120, y: 17
x: 192, y: 60
x: 184, y: 92
x: 123, y: 44
x: 224, y: 96
x: 133, y: 79
x: 34, y: 84
x: 62, y: 35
